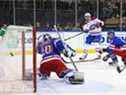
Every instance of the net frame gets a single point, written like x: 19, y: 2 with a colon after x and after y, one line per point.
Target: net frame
x: 22, y: 29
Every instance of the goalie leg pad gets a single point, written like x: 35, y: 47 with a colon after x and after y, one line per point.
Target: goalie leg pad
x: 74, y: 78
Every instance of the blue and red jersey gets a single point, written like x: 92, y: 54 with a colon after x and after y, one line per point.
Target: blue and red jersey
x: 50, y: 48
x: 117, y: 42
x: 117, y: 47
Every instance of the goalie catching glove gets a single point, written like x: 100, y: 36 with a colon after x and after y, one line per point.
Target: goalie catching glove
x: 68, y: 51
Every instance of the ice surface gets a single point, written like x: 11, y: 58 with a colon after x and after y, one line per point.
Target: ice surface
x: 11, y: 75
x: 100, y: 79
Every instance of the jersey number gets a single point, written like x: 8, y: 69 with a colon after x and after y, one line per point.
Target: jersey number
x: 48, y: 49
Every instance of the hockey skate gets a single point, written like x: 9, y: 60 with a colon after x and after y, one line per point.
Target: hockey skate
x: 74, y: 78
x: 106, y: 58
x: 124, y: 61
x: 42, y: 76
x: 120, y: 68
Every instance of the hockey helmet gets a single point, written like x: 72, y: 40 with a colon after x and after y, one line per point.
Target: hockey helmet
x: 87, y: 14
x: 47, y: 37
x: 44, y: 37
x: 111, y: 33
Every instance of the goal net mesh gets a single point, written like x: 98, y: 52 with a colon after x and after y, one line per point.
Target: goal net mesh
x: 11, y: 54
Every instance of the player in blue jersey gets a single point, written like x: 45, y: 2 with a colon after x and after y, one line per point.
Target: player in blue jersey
x: 50, y: 49
x: 117, y: 47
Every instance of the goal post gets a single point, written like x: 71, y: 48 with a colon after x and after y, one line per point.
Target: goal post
x: 23, y: 54
x: 34, y: 59
x: 22, y: 31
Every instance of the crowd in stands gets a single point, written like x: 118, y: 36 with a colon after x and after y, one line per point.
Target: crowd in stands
x: 109, y: 11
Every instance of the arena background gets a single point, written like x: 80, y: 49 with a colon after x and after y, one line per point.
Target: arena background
x: 67, y: 14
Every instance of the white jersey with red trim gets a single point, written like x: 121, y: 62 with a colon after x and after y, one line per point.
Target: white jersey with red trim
x: 93, y: 27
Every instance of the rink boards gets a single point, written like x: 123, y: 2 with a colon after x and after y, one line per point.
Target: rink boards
x: 77, y: 43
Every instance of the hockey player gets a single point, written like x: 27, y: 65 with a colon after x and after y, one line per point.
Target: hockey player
x: 3, y: 31
x: 117, y: 47
x: 51, y: 48
x: 94, y: 28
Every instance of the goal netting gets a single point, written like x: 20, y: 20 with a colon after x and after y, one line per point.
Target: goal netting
x: 18, y: 60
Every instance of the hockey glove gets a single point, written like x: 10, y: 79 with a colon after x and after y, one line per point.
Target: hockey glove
x: 108, y: 50
x: 69, y: 53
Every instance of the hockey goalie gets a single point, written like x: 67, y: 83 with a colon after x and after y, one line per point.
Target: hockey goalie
x: 50, y: 49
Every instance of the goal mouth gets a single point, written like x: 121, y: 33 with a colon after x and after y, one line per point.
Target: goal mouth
x: 20, y: 47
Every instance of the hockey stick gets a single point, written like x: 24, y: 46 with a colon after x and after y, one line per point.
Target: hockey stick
x: 73, y: 36
x: 65, y: 48
x: 120, y: 70
x: 78, y: 61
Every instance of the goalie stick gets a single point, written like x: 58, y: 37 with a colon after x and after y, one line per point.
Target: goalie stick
x: 118, y: 68
x: 83, y: 60
x: 73, y: 36
x: 65, y: 48
x: 79, y: 78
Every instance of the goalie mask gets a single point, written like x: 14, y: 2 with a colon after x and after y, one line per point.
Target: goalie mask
x: 45, y: 37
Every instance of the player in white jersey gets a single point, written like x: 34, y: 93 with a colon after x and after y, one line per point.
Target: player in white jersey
x: 93, y: 27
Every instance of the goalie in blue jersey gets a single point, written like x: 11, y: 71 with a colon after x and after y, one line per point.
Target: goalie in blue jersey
x: 50, y: 49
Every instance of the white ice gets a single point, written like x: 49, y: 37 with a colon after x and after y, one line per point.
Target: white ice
x: 100, y: 79
x: 11, y: 75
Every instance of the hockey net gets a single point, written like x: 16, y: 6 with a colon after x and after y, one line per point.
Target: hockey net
x: 18, y: 47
